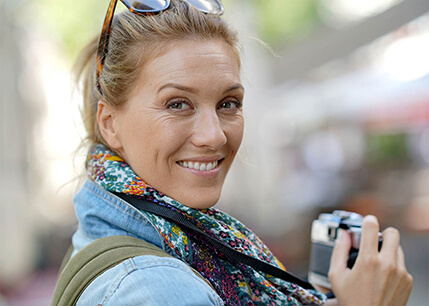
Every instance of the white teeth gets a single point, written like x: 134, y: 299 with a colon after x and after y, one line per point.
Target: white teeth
x: 199, y: 166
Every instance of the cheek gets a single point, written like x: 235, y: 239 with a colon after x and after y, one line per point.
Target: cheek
x: 169, y: 136
x: 138, y: 141
x: 235, y: 133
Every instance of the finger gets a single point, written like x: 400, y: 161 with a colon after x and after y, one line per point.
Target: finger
x: 401, y: 257
x: 389, y: 248
x: 369, y: 239
x: 340, y: 254
x: 404, y: 288
x: 401, y: 261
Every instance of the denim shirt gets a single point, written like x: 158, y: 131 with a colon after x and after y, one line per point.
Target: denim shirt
x: 142, y: 280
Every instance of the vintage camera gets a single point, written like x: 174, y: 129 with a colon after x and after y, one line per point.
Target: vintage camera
x: 324, y: 232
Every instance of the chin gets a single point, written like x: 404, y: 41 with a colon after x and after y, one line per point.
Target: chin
x: 200, y: 200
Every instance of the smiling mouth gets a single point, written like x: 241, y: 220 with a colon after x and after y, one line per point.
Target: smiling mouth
x: 200, y: 165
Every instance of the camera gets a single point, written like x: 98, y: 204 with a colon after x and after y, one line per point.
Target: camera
x: 324, y: 232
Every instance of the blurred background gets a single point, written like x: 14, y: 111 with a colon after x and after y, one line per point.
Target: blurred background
x: 337, y: 109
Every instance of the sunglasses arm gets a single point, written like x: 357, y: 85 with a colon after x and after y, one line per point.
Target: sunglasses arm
x: 104, y: 41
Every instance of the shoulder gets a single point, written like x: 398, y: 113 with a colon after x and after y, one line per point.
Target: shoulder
x: 154, y: 280
x: 102, y: 214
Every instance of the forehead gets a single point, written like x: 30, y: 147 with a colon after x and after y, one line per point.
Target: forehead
x: 193, y: 59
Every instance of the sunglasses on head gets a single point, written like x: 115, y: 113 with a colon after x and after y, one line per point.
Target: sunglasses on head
x: 143, y: 7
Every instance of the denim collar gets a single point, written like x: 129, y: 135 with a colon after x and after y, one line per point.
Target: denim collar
x: 102, y: 214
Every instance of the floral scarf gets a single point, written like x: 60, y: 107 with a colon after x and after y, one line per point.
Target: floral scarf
x: 236, y: 284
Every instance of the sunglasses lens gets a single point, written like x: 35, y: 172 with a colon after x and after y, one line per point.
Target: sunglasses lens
x: 208, y: 6
x: 149, y: 5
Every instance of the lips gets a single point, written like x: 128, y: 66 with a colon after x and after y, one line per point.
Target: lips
x: 201, y: 166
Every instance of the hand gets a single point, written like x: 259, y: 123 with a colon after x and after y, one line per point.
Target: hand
x: 377, y: 278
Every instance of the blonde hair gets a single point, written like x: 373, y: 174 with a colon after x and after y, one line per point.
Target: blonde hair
x: 134, y: 41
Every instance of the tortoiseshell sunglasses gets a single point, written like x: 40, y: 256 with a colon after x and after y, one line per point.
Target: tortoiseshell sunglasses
x: 144, y: 7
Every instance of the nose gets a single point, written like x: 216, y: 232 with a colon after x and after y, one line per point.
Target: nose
x: 208, y: 131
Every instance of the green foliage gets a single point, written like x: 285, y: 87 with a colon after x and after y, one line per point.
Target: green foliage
x: 387, y: 150
x: 72, y: 22
x: 75, y: 22
x: 282, y: 20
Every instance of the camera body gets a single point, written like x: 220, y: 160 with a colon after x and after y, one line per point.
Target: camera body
x: 324, y: 232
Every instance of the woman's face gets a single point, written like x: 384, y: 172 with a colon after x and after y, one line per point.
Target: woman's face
x: 183, y: 125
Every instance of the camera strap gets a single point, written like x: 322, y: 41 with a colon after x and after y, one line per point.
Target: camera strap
x: 232, y: 255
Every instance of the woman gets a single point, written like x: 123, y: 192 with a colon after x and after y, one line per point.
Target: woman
x: 164, y: 118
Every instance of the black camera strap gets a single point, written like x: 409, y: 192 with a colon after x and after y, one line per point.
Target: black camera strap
x: 232, y: 255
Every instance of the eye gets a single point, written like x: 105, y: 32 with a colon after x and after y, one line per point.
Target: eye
x: 231, y: 104
x: 178, y: 105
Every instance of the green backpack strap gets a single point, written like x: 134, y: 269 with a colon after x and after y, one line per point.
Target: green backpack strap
x: 96, y: 258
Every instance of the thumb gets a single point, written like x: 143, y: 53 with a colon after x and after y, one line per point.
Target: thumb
x: 340, y: 254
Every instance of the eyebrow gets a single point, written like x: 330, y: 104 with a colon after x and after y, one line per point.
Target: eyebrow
x: 234, y: 87
x: 192, y: 90
x: 177, y: 86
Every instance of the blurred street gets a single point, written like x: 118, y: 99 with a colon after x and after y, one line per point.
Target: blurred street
x: 337, y: 117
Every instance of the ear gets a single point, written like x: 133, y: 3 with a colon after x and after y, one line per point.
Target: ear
x: 106, y: 117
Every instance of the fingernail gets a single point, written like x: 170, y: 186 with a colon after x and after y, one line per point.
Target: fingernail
x: 370, y: 218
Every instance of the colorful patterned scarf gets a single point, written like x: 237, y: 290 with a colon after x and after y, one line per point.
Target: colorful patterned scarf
x: 236, y: 284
